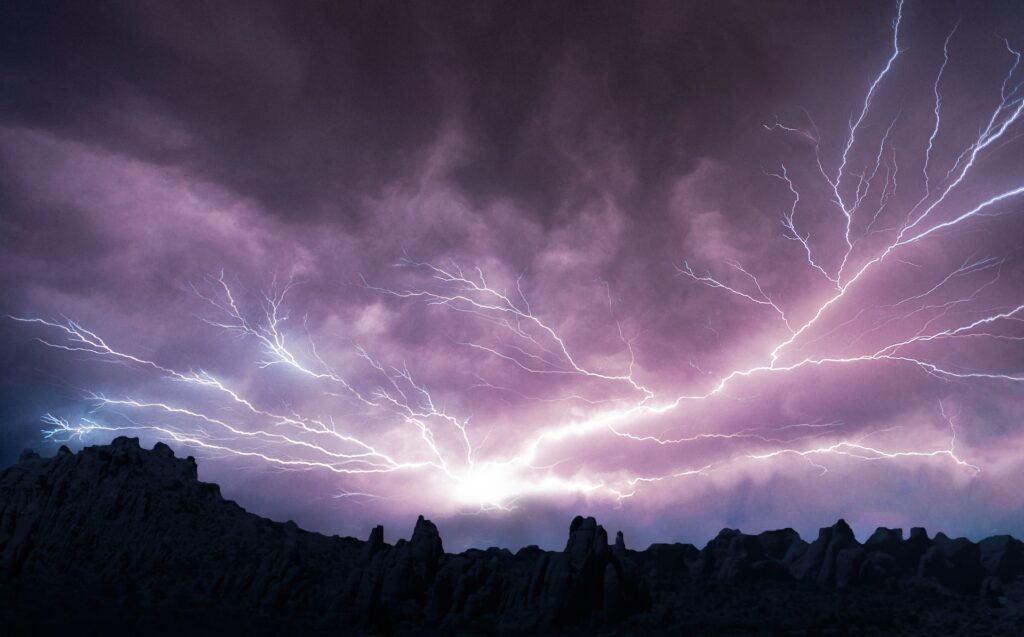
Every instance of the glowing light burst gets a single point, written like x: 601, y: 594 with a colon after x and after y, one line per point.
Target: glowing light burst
x: 838, y: 330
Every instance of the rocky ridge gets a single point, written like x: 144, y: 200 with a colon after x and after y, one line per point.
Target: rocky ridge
x: 118, y: 531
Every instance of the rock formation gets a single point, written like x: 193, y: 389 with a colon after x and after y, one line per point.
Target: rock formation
x: 120, y: 533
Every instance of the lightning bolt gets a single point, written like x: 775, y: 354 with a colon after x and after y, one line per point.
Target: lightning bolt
x: 394, y: 423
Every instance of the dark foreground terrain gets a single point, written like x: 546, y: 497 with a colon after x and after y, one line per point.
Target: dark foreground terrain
x: 122, y: 540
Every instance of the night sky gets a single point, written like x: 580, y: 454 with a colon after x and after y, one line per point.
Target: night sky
x: 679, y: 265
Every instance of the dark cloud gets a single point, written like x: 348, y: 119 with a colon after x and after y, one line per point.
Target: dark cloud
x: 313, y: 105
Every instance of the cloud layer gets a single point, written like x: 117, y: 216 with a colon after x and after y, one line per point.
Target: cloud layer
x: 502, y: 264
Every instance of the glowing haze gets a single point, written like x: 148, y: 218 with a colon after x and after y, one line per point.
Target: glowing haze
x: 680, y: 267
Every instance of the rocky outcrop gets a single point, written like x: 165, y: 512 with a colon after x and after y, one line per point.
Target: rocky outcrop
x: 120, y: 531
x: 119, y: 526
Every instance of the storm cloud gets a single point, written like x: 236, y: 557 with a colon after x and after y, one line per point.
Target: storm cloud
x: 584, y: 205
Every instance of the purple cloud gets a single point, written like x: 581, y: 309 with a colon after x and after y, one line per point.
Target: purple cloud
x: 622, y: 270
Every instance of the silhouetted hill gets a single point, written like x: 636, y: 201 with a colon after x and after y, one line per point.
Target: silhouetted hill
x: 119, y: 539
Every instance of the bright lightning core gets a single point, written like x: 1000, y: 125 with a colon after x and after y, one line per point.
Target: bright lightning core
x: 868, y: 222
